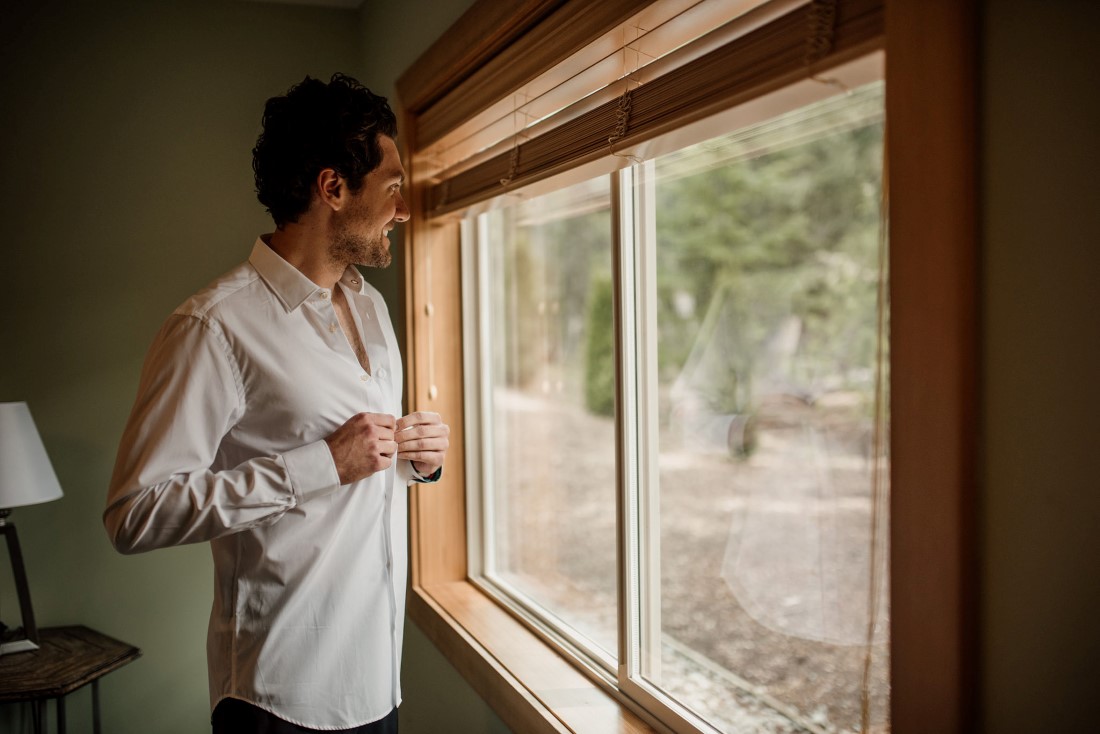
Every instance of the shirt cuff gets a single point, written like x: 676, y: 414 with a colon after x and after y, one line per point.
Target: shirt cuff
x: 418, y: 477
x: 311, y: 470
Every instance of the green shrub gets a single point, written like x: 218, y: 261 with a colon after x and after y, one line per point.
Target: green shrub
x: 599, y: 353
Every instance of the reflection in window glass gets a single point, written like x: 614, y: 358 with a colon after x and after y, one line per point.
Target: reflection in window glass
x: 772, y: 462
x: 551, y: 406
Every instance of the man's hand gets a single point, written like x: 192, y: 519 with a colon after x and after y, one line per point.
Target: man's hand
x: 422, y: 439
x: 362, y: 446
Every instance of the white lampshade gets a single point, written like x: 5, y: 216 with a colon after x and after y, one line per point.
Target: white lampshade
x: 26, y: 475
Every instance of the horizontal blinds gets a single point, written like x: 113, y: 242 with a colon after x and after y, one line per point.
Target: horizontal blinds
x: 803, y: 41
x: 568, y: 28
x: 484, y: 31
x: 637, y: 48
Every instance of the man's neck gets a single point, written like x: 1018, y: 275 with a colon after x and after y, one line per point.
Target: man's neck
x: 307, y: 248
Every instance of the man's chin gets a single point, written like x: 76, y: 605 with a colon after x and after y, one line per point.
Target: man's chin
x: 379, y: 258
x: 384, y: 253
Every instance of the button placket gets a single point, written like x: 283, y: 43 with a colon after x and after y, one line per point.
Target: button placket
x: 327, y: 311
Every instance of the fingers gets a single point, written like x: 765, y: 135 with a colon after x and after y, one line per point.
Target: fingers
x: 420, y: 441
x: 422, y: 438
x: 419, y: 451
x: 422, y: 425
x: 376, y: 432
x: 369, y: 442
x: 414, y: 440
x: 420, y: 417
x: 383, y: 420
x: 363, y: 445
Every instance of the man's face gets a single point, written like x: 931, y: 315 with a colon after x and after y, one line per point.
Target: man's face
x: 362, y: 228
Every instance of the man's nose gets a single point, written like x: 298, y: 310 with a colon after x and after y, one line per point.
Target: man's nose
x: 402, y: 213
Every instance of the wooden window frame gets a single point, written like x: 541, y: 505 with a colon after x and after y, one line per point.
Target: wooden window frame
x: 931, y: 146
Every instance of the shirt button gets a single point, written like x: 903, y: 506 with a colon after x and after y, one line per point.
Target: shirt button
x: 364, y: 377
x: 324, y: 295
x: 382, y: 372
x: 332, y: 328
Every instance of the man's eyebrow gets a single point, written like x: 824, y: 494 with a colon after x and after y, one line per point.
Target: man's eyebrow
x: 394, y: 174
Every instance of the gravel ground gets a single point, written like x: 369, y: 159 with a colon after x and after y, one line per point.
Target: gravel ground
x: 763, y: 559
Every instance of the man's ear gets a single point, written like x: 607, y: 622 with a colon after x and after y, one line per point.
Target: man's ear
x: 331, y: 189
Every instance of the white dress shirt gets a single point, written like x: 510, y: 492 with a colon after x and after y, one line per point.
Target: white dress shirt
x: 225, y: 444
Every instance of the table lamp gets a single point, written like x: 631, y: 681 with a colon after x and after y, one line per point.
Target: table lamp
x: 26, y: 478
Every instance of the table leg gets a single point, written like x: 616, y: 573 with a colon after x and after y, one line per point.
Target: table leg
x: 60, y: 715
x: 38, y: 712
x: 95, y: 707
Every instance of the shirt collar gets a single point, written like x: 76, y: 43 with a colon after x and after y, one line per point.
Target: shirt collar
x: 288, y: 283
x: 353, y: 280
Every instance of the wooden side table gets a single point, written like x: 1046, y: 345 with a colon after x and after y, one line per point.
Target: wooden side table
x: 68, y: 658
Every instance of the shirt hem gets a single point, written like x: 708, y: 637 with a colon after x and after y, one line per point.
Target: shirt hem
x: 318, y: 727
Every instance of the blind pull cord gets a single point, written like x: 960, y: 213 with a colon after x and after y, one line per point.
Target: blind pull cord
x: 820, y: 39
x: 622, y: 111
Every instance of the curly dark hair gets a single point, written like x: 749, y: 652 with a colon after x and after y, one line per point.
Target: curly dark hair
x: 312, y: 127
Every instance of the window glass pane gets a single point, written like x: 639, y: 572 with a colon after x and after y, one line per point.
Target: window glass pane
x: 771, y: 494
x: 551, y: 534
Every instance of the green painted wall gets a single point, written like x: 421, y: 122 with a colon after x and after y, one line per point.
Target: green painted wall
x: 126, y: 130
x: 126, y: 185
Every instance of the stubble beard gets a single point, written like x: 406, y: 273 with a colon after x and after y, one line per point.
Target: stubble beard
x: 349, y: 248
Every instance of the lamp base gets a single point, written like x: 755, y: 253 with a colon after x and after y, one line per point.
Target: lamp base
x: 17, y: 646
x: 30, y: 631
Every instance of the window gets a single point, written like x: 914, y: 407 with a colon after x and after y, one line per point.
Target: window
x: 547, y: 367
x: 589, y: 238
x: 752, y: 478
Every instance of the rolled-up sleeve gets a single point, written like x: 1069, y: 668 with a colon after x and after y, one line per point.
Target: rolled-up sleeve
x: 163, y: 491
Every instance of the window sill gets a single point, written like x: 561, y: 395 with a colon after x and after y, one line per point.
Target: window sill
x: 529, y: 685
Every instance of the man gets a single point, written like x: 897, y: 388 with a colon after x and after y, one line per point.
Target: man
x: 265, y: 424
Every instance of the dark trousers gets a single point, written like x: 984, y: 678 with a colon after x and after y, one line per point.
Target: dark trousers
x: 233, y: 716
